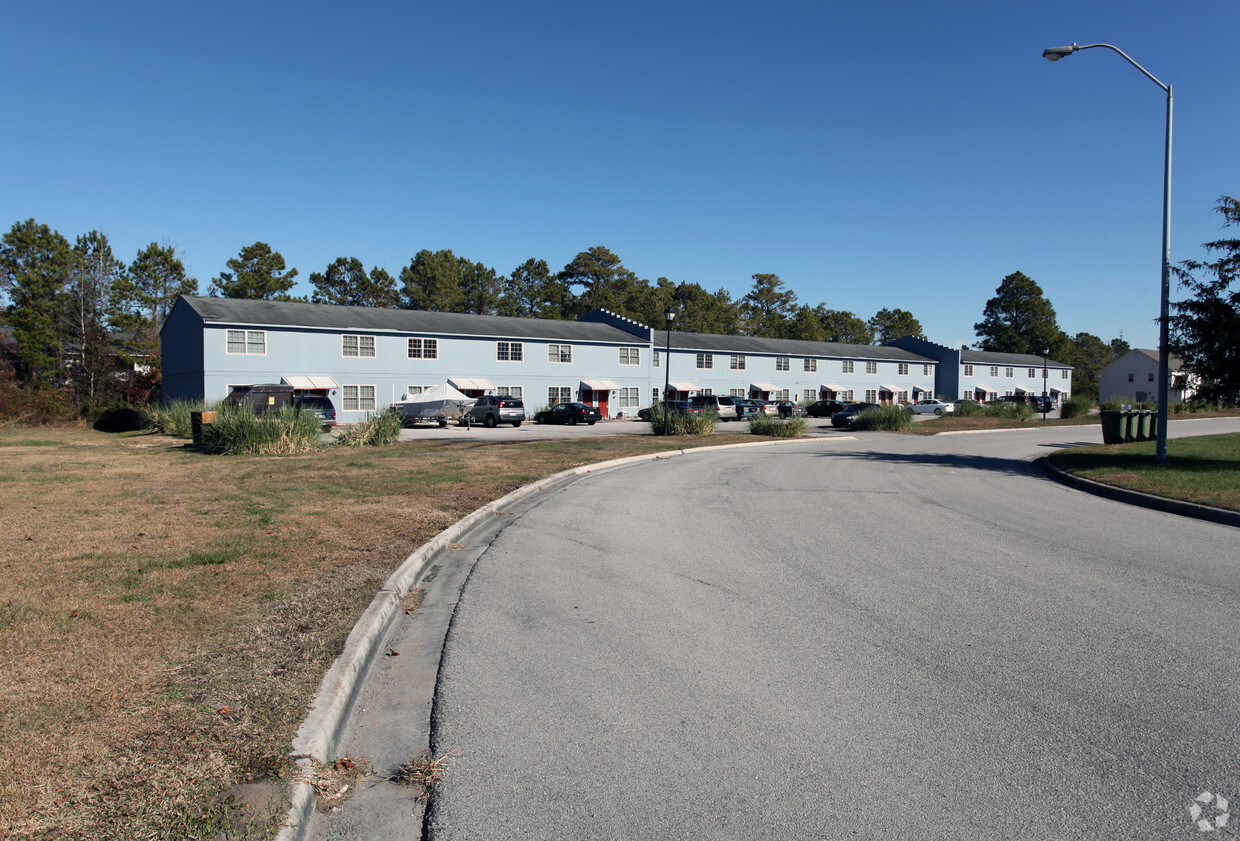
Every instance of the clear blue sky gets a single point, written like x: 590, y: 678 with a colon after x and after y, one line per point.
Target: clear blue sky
x: 879, y: 154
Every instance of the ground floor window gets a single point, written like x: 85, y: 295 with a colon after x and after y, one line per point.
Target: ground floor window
x: 510, y: 391
x: 707, y: 391
x: 782, y: 394
x: 414, y: 390
x: 654, y: 394
x: 736, y: 392
x: 629, y: 398
x: 871, y: 395
x: 358, y: 398
x: 809, y: 394
x: 559, y: 394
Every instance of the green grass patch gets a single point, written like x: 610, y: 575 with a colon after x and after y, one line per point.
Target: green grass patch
x: 1204, y: 470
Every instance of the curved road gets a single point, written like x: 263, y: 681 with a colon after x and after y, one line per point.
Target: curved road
x: 888, y: 637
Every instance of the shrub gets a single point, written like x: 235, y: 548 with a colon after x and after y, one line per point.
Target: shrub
x: 777, y: 427
x: 174, y: 418
x: 1076, y: 406
x: 968, y: 409
x: 377, y: 430
x: 119, y: 418
x: 1010, y: 411
x: 885, y: 419
x: 238, y: 431
x: 682, y: 423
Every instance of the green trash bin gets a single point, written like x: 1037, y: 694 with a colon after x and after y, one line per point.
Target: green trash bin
x: 1153, y: 424
x: 1114, y: 426
x: 1141, y: 425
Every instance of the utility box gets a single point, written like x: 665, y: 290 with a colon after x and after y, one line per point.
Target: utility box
x: 197, y: 420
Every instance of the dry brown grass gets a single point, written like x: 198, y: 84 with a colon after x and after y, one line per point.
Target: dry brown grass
x: 166, y: 616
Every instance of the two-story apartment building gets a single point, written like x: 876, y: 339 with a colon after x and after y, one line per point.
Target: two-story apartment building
x: 986, y: 375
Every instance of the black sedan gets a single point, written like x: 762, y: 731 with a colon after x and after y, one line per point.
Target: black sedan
x: 672, y: 406
x: 825, y: 408
x: 569, y: 413
x: 849, y: 416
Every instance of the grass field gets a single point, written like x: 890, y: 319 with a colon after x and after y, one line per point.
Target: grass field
x: 166, y: 616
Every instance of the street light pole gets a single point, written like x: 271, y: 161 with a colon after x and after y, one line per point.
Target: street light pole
x: 1045, y: 353
x: 1164, y: 354
x: 670, y: 315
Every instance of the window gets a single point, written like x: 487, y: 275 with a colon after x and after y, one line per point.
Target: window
x: 414, y: 390
x: 509, y: 352
x: 707, y: 391
x: 630, y: 356
x: 705, y: 360
x: 810, y: 366
x: 560, y: 353
x: 782, y: 394
x: 871, y: 395
x: 559, y: 394
x: 357, y: 347
x: 738, y: 362
x: 1151, y: 379
x: 510, y: 391
x: 1063, y: 374
x: 1130, y: 377
x: 1033, y: 372
x: 846, y: 367
x: 783, y: 363
x: 736, y: 392
x: 871, y: 367
x: 926, y: 370
x: 629, y: 397
x: 247, y: 342
x: 657, y: 358
x: 423, y: 348
x: 1007, y: 372
x: 967, y: 394
x: 358, y: 398
x: 968, y: 370
x: 654, y: 394
x: 809, y: 394
x: 846, y: 396
x: 902, y: 369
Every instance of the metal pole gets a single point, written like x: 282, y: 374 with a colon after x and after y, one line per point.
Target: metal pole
x: 1045, y: 353
x: 667, y: 367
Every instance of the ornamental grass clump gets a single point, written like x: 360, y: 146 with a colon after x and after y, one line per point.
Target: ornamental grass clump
x: 1010, y: 411
x: 885, y: 419
x: 174, y: 418
x: 968, y: 409
x: 777, y: 427
x: 238, y: 431
x: 1076, y: 406
x: 376, y: 431
x: 682, y: 423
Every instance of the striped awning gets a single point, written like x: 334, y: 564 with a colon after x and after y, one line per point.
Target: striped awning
x: 682, y: 386
x: 471, y: 384
x: 600, y: 385
x: 307, y: 383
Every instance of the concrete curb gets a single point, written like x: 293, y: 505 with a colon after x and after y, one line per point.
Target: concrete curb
x: 320, y: 733
x: 1171, y: 506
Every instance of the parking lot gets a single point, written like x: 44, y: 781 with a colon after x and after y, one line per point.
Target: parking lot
x: 530, y: 431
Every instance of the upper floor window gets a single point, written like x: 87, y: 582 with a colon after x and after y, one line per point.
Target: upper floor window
x: 738, y: 362
x: 811, y: 365
x: 846, y: 366
x: 871, y: 367
x: 1033, y: 372
x: 423, y: 348
x: 357, y: 346
x: 994, y: 370
x: 630, y: 356
x: 968, y: 370
x: 926, y: 370
x: 560, y: 353
x: 247, y: 342
x: 902, y: 369
x: 1063, y: 373
x: 509, y: 352
x: 1007, y: 372
x: 783, y: 363
x: 705, y: 360
x: 658, y: 358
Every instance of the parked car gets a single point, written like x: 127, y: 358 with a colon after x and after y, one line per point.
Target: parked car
x: 264, y: 397
x: 788, y: 409
x: 494, y: 409
x: 848, y: 416
x: 765, y: 407
x: 1043, y: 404
x: 825, y: 408
x: 317, y: 405
x: 746, y: 408
x: 933, y: 407
x: 673, y: 405
x: 721, y: 404
x: 570, y: 413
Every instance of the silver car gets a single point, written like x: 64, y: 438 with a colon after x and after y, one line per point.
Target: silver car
x: 494, y: 409
x: 933, y: 407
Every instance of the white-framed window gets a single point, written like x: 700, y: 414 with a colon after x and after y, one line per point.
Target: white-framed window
x: 968, y: 370
x: 707, y: 391
x: 559, y: 394
x: 967, y: 394
x: 809, y: 394
x: 1007, y: 372
x: 246, y: 343
x: 658, y: 358
x: 357, y: 347
x: 902, y: 369
x: 415, y: 390
x: 705, y: 360
x: 810, y: 366
x: 630, y: 356
x: 737, y: 362
x: 871, y: 367
x: 926, y: 370
x: 629, y: 397
x: 1063, y: 374
x: 510, y: 391
x: 1033, y: 372
x: 357, y: 398
x: 736, y: 392
x: 783, y: 363
x: 654, y: 393
x: 423, y: 348
x: 782, y: 394
x: 846, y: 396
x: 509, y: 352
x: 871, y: 395
x: 847, y: 366
x: 560, y: 354
x: 994, y: 370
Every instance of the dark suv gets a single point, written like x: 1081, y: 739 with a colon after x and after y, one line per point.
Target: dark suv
x: 493, y: 409
x: 313, y: 404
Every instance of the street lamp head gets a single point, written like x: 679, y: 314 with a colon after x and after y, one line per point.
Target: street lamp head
x: 1056, y: 53
x: 669, y: 314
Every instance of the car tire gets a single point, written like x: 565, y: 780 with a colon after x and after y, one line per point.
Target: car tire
x: 571, y: 421
x: 515, y: 424
x: 539, y: 419
x: 489, y: 421
x: 938, y: 411
x: 590, y: 423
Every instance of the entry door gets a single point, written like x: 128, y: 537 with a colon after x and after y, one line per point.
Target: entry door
x: 596, y: 398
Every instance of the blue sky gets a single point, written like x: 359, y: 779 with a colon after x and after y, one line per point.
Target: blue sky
x: 882, y: 154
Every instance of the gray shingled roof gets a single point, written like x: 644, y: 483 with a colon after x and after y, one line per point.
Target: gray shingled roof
x: 785, y: 347
x: 244, y: 312
x: 1016, y: 360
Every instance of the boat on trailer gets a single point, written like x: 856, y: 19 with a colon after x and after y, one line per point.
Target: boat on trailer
x: 438, y: 404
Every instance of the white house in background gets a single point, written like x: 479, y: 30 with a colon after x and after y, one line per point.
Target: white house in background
x: 1134, y: 376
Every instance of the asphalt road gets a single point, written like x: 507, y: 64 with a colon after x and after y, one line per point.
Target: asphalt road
x: 887, y: 637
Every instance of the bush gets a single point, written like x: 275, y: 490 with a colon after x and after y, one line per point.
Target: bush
x: 1076, y: 406
x: 682, y: 423
x: 119, y: 418
x: 174, y: 418
x: 885, y: 419
x: 777, y: 427
x: 969, y: 409
x: 376, y: 431
x: 238, y: 431
x: 1010, y: 411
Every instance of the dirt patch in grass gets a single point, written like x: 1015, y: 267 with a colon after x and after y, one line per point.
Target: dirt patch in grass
x: 167, y: 616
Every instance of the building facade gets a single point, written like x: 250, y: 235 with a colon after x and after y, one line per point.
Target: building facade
x: 1134, y: 377
x: 985, y: 375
